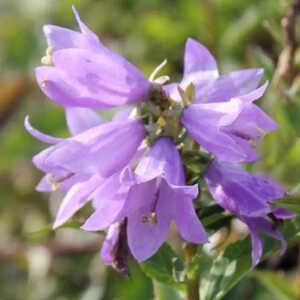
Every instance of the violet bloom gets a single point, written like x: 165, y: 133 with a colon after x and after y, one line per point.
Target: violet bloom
x: 149, y: 199
x: 222, y: 118
x: 249, y: 198
x: 77, y: 165
x: 83, y: 72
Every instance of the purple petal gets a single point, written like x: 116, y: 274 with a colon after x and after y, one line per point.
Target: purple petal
x: 63, y: 38
x: 80, y: 119
x: 123, y: 114
x: 111, y: 146
x: 76, y: 198
x: 172, y: 91
x: 162, y: 160
x: 199, y: 64
x: 232, y: 85
x: 257, y: 246
x: 187, y: 222
x: 66, y: 156
x: 239, y: 191
x: 252, y: 122
x: 62, y: 89
x: 90, y: 35
x: 209, y: 136
x: 256, y: 94
x: 109, y: 243
x: 282, y: 214
x: 102, y: 76
x: 39, y: 135
x: 109, y: 200
x: 264, y: 226
x: 104, y: 149
x: 144, y: 239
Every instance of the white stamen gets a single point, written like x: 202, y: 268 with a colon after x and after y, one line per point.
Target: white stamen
x: 161, y: 80
x: 157, y: 70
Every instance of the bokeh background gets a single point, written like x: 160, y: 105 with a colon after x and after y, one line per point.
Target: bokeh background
x: 37, y: 263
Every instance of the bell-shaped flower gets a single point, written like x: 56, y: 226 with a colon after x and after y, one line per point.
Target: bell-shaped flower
x: 230, y: 130
x: 79, y: 164
x: 149, y: 199
x: 248, y: 197
x: 83, y: 72
x: 222, y: 117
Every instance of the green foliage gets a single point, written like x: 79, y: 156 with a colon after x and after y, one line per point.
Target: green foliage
x: 278, y: 285
x: 165, y: 266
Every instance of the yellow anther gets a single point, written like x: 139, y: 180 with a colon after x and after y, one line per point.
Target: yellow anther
x: 54, y: 184
x: 149, y: 220
x: 47, y: 59
x: 43, y: 83
x: 153, y: 219
x: 49, y: 178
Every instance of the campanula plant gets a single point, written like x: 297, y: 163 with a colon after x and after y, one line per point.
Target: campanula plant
x: 135, y: 169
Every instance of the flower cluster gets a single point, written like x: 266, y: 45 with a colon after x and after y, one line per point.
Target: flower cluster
x: 130, y: 168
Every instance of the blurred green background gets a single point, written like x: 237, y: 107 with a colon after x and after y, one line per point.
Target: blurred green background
x: 65, y: 264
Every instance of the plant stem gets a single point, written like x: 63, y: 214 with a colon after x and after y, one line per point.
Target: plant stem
x: 192, y: 280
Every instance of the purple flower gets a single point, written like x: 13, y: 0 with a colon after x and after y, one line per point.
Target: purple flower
x: 150, y: 198
x: 79, y: 164
x: 249, y: 198
x: 83, y: 72
x: 222, y: 118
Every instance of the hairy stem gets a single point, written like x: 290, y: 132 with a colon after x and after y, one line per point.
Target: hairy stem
x: 192, y: 280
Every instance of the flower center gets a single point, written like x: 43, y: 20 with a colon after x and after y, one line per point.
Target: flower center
x: 161, y: 115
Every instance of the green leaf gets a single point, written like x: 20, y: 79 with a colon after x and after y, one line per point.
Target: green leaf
x: 276, y: 284
x: 215, y: 222
x: 165, y: 266
x: 235, y: 262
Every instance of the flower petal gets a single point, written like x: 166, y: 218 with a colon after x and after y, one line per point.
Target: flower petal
x: 39, y: 135
x: 62, y: 89
x: 187, y: 222
x: 210, y: 137
x: 80, y: 119
x: 109, y: 200
x: 76, y: 198
x: 145, y: 239
x: 162, y: 160
x: 102, y: 76
x: 104, y: 149
x: 109, y: 243
x: 199, y: 64
x: 123, y: 114
x: 90, y: 35
x: 282, y: 214
x: 239, y: 191
x: 232, y: 85
x: 63, y: 38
